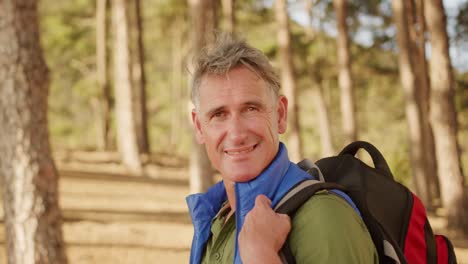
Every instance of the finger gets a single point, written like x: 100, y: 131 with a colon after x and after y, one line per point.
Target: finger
x: 284, y: 218
x: 262, y: 200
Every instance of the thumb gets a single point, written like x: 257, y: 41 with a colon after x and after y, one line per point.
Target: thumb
x: 284, y: 217
x: 285, y: 220
x: 262, y: 200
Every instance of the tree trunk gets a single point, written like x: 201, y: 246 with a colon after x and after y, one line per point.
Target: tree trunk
x: 201, y: 172
x: 416, y: 27
x: 348, y: 108
x: 30, y: 180
x: 125, y: 116
x: 413, y: 111
x: 140, y: 78
x: 323, y: 121
x: 229, y: 16
x: 104, y: 103
x: 212, y: 19
x: 288, y: 80
x: 424, y: 98
x: 177, y: 85
x: 444, y: 120
x: 137, y: 63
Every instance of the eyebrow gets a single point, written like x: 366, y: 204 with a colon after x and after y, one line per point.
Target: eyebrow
x: 248, y: 103
x: 214, y: 110
x: 255, y: 103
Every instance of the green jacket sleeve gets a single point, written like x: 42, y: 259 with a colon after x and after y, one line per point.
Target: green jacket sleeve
x: 326, y: 229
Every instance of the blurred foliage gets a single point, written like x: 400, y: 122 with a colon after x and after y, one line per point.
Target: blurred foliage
x: 462, y: 22
x: 67, y: 29
x: 68, y: 39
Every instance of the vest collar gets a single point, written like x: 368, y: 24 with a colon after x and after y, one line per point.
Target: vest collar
x: 271, y: 183
x: 266, y: 183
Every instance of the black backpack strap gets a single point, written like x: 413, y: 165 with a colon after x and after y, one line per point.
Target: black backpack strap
x: 379, y: 161
x: 312, y: 169
x: 293, y: 200
x: 301, y: 193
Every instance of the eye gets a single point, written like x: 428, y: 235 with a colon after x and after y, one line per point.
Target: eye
x: 251, y: 109
x: 218, y: 114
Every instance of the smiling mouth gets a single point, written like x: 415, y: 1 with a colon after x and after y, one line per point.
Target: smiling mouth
x: 240, y: 151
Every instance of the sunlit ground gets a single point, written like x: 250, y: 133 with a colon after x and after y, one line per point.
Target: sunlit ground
x: 113, y: 218
x: 118, y: 219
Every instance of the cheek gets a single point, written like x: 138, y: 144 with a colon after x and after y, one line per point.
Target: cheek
x: 213, y: 136
x: 266, y: 126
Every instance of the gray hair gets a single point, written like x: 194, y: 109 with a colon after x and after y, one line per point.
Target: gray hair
x: 226, y: 53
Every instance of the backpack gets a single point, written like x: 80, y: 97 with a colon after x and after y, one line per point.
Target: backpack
x: 395, y: 217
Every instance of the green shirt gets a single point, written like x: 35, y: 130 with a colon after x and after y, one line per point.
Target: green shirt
x: 220, y: 246
x: 326, y: 229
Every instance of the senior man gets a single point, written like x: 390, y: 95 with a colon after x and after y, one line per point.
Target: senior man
x: 238, y: 115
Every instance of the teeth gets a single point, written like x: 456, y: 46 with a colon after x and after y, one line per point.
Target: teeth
x: 240, y: 152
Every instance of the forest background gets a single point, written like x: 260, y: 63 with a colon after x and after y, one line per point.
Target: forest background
x: 69, y: 42
x: 107, y: 59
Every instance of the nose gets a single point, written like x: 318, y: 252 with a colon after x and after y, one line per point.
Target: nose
x: 237, y: 132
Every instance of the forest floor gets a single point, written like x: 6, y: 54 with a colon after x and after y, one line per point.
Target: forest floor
x: 110, y: 217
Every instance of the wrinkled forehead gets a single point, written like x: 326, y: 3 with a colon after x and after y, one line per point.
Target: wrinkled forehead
x: 239, y: 78
x: 234, y: 88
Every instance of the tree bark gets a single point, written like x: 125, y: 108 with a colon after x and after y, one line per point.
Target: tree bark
x: 424, y: 97
x: 212, y: 19
x: 104, y: 102
x: 413, y: 112
x: 138, y: 76
x: 417, y: 29
x: 30, y: 180
x: 177, y: 92
x: 229, y: 16
x: 125, y: 115
x: 444, y: 119
x: 140, y: 79
x: 288, y: 80
x: 201, y: 172
x: 345, y: 80
x: 323, y: 121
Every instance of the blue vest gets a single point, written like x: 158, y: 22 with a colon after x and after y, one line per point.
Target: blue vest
x: 274, y: 182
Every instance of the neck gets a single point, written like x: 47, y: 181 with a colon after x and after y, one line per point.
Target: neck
x: 231, y: 194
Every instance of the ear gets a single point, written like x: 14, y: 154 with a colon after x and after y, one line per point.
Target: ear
x: 282, y: 111
x: 197, y: 127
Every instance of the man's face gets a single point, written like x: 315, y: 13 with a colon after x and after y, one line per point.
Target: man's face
x: 239, y: 119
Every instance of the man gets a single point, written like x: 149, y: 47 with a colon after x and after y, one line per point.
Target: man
x: 238, y: 116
